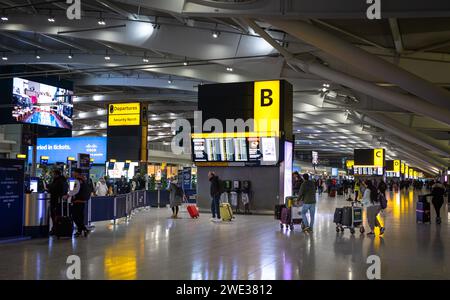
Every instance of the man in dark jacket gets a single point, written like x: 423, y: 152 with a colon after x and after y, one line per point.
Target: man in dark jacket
x: 57, y: 189
x: 80, y: 196
x: 215, y: 196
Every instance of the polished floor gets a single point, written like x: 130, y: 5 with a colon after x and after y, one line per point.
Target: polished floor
x: 151, y: 246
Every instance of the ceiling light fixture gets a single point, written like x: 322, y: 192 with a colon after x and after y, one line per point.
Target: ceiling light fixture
x: 4, y: 17
x: 107, y: 57
x: 4, y: 58
x: 215, y: 34
x: 145, y: 59
x: 229, y: 69
x: 101, y: 22
x: 51, y: 19
x: 185, y: 63
x: 38, y: 57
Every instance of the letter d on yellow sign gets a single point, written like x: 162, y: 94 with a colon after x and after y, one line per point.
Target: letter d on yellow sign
x: 267, y: 107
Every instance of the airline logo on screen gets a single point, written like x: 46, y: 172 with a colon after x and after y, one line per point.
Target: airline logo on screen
x: 124, y: 114
x: 267, y: 107
x: 378, y: 157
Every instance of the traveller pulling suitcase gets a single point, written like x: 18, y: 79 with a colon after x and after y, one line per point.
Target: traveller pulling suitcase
x: 63, y: 226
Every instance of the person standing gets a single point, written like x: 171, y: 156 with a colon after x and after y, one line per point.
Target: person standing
x: 80, y: 195
x: 215, y: 196
x: 101, y: 189
x: 296, y: 183
x: 307, y: 194
x: 57, y: 189
x: 382, y: 187
x: 372, y: 205
x: 176, y: 197
x: 438, y: 191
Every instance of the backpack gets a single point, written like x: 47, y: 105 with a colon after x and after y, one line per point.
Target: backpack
x: 383, y: 201
x: 85, y: 191
x: 221, y: 186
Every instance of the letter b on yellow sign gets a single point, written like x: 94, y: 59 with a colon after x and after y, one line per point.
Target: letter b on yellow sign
x: 267, y: 107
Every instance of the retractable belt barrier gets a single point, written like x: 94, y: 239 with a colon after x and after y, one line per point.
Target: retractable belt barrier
x: 116, y: 207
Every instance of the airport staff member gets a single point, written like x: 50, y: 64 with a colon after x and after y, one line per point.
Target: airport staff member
x: 80, y: 195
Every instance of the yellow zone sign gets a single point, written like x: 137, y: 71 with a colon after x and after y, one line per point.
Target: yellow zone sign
x: 124, y: 109
x: 124, y: 120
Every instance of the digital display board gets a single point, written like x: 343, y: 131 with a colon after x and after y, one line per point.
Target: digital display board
x: 41, y: 104
x: 251, y: 150
x: 334, y: 172
x: 59, y: 149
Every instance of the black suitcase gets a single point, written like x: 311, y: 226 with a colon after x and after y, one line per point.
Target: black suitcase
x: 63, y: 226
x: 338, y: 215
x: 347, y: 218
x: 278, y: 209
x: 423, y: 212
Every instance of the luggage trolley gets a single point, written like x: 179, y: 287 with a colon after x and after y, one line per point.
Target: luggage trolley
x: 291, y: 215
x: 350, y: 217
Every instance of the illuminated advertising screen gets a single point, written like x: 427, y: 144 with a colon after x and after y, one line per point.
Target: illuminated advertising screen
x: 60, y: 149
x: 288, y: 164
x: 41, y: 104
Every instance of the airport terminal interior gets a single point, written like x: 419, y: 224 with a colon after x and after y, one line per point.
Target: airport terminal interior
x: 224, y: 140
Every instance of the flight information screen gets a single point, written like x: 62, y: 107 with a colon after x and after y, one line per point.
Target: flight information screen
x: 255, y: 150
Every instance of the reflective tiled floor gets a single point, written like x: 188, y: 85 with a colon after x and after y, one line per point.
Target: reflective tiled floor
x: 252, y: 247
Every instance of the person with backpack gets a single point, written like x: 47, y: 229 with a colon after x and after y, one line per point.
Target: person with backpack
x: 175, y: 197
x: 371, y: 202
x: 215, y: 196
x: 80, y: 195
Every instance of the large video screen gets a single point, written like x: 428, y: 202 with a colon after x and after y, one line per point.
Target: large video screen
x: 250, y: 150
x: 41, y: 104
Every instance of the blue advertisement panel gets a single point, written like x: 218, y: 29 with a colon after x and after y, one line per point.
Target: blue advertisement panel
x: 187, y: 179
x: 11, y: 197
x: 58, y: 149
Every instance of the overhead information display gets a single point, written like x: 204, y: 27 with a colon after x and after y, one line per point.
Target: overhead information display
x: 246, y: 151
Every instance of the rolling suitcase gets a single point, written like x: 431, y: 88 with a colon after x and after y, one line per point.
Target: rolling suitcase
x: 278, y: 209
x: 290, y: 200
x: 63, y: 226
x: 296, y: 214
x: 347, y: 216
x: 338, y: 216
x: 285, y: 216
x: 423, y: 212
x: 332, y: 193
x: 193, y: 211
x: 225, y: 212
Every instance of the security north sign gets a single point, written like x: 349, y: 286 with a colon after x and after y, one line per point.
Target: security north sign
x: 124, y: 114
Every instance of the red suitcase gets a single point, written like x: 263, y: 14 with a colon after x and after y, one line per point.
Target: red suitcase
x: 193, y: 211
